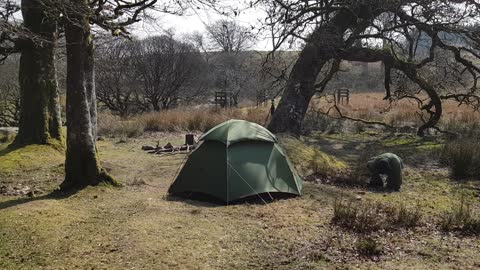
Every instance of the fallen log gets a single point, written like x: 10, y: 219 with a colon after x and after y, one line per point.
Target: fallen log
x: 169, y: 148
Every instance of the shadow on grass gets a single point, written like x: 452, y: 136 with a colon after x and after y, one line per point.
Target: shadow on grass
x: 55, y: 195
x: 9, y: 148
x: 204, y: 200
x: 415, y: 151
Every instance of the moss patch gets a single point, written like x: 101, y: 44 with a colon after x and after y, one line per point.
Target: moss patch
x: 30, y: 157
x: 310, y: 160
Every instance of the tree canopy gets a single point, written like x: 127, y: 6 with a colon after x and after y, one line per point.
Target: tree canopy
x: 411, y: 38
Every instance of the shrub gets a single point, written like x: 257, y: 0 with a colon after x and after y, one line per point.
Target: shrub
x: 463, y: 158
x: 461, y: 218
x: 177, y: 120
x: 370, y: 217
x: 464, y: 122
x: 344, y: 212
x: 359, y: 218
x: 113, y: 126
x: 368, y: 247
x: 201, y: 119
x: 406, y: 217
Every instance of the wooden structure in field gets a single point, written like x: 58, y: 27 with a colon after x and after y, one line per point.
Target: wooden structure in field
x: 262, y: 100
x: 224, y: 99
x: 342, y: 96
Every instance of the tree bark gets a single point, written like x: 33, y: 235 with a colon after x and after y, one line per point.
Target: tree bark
x: 40, y: 110
x: 322, y: 46
x: 82, y: 167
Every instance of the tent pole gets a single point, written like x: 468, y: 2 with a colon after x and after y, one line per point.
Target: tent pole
x: 228, y: 174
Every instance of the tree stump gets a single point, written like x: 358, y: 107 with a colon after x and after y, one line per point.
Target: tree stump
x: 189, y: 139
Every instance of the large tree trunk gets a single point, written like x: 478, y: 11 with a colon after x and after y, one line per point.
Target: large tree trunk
x: 40, y: 110
x: 82, y: 167
x: 322, y: 46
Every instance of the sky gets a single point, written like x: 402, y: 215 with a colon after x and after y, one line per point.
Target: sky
x: 196, y: 22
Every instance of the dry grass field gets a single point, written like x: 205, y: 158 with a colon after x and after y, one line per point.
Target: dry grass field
x: 367, y: 106
x: 337, y: 224
x: 371, y: 106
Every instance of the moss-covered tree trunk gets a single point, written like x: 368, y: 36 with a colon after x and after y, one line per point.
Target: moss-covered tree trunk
x: 322, y: 46
x: 82, y: 167
x: 40, y: 110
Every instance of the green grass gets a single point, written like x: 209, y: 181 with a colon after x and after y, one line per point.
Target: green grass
x: 139, y: 227
x: 31, y: 157
x: 311, y: 160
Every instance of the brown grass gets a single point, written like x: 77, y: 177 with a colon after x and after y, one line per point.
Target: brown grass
x: 367, y: 106
x: 463, y: 158
x: 371, y: 106
x: 374, y: 216
x: 177, y: 120
x: 461, y: 218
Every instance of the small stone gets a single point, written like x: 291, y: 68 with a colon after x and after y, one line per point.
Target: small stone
x: 358, y: 198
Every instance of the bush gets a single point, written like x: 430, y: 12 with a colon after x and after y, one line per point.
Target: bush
x: 197, y: 119
x: 461, y: 218
x: 368, y: 247
x: 113, y: 126
x: 464, y: 122
x: 463, y: 158
x: 177, y: 120
x: 358, y: 218
x: 370, y: 217
x: 406, y: 217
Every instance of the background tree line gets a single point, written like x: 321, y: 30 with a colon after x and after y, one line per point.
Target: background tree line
x: 159, y: 72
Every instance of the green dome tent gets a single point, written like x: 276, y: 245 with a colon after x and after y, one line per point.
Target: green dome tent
x: 237, y: 159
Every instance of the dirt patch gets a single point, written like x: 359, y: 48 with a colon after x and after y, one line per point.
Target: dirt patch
x: 19, y: 190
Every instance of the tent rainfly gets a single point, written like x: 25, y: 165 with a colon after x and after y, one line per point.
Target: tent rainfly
x: 237, y: 159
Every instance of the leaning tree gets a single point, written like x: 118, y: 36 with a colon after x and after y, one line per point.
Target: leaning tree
x: 390, y: 31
